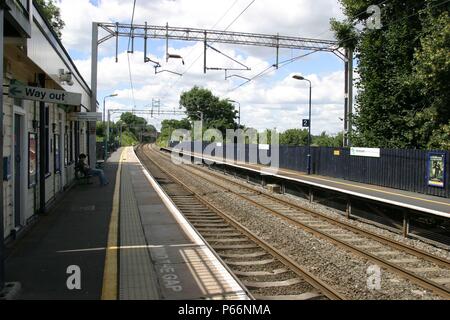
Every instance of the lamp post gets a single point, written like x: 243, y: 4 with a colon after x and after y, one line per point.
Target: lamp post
x: 239, y: 119
x: 104, y: 120
x: 298, y: 77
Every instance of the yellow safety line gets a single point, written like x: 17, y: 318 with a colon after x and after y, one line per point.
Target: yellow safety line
x: 337, y: 182
x: 110, y: 274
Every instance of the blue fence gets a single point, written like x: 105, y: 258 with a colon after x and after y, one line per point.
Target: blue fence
x: 395, y: 168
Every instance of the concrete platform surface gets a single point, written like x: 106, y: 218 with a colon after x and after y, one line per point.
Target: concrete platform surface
x: 177, y: 264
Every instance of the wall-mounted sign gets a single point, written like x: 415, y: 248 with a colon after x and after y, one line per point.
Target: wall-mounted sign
x: 85, y: 116
x: 44, y: 95
x: 337, y: 152
x: 366, y: 152
x: 436, y: 169
x: 32, y: 159
x: 264, y: 147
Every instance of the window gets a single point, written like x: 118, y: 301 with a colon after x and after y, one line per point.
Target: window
x: 47, y: 139
x: 66, y: 149
x: 57, y: 153
x: 71, y: 157
x: 77, y: 139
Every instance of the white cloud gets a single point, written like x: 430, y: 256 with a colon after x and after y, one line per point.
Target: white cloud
x: 266, y: 103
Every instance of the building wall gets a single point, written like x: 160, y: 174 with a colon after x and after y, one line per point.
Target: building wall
x: 24, y: 59
x: 23, y: 70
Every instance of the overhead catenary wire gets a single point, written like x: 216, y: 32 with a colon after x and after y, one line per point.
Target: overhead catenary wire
x: 282, y: 64
x: 264, y: 72
x: 195, y: 61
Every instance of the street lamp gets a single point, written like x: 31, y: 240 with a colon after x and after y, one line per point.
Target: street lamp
x: 104, y: 104
x: 105, y: 119
x: 298, y: 77
x: 233, y: 101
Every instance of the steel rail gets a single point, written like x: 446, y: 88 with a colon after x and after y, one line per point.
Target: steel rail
x: 325, y: 289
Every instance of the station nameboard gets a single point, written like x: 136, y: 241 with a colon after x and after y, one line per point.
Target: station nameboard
x: 44, y: 95
x: 85, y: 116
x: 366, y: 152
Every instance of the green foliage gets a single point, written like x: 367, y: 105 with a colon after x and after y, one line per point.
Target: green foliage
x: 403, y: 97
x: 135, y: 124
x: 101, y: 129
x: 52, y: 13
x: 217, y: 114
x: 168, y: 126
x: 294, y: 137
x: 345, y: 33
x: 129, y: 139
x: 325, y: 140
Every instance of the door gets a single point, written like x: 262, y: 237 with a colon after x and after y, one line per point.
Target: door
x: 18, y: 144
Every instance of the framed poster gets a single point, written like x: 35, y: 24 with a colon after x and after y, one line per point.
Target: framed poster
x: 436, y: 169
x: 32, y: 159
x: 66, y: 150
x: 57, y: 153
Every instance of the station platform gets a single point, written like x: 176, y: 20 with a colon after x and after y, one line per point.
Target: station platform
x: 126, y: 241
x: 410, y: 200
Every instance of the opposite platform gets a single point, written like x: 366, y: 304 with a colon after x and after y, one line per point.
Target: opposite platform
x: 410, y: 200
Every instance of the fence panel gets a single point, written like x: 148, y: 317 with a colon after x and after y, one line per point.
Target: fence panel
x: 395, y: 168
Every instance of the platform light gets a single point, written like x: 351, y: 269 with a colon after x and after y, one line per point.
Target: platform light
x: 301, y: 78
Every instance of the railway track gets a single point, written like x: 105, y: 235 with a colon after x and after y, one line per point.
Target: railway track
x: 428, y: 271
x: 264, y: 270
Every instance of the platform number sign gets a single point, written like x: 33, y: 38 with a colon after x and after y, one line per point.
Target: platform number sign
x: 436, y: 169
x: 306, y: 123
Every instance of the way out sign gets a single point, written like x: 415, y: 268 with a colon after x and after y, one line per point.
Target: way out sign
x: 45, y: 95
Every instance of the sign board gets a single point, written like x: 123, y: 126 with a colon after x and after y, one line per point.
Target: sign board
x: 264, y: 147
x: 366, y: 152
x: 44, y: 95
x: 86, y: 116
x: 305, y: 123
x: 436, y: 169
x: 337, y: 152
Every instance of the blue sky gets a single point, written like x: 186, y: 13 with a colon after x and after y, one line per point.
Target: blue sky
x: 274, y: 100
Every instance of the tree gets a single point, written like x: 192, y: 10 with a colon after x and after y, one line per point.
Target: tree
x: 217, y: 113
x: 168, y: 126
x: 294, y: 137
x: 325, y: 140
x: 403, y: 70
x: 136, y: 125
x: 52, y: 13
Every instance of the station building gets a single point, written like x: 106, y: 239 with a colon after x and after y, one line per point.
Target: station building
x: 41, y: 141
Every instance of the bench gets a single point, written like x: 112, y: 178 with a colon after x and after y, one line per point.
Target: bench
x: 81, y: 176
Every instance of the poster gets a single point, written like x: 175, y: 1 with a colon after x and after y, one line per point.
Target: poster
x: 436, y: 169
x: 57, y: 154
x: 66, y: 149
x: 32, y: 159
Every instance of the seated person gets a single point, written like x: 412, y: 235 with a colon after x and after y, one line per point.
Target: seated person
x: 84, y: 168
